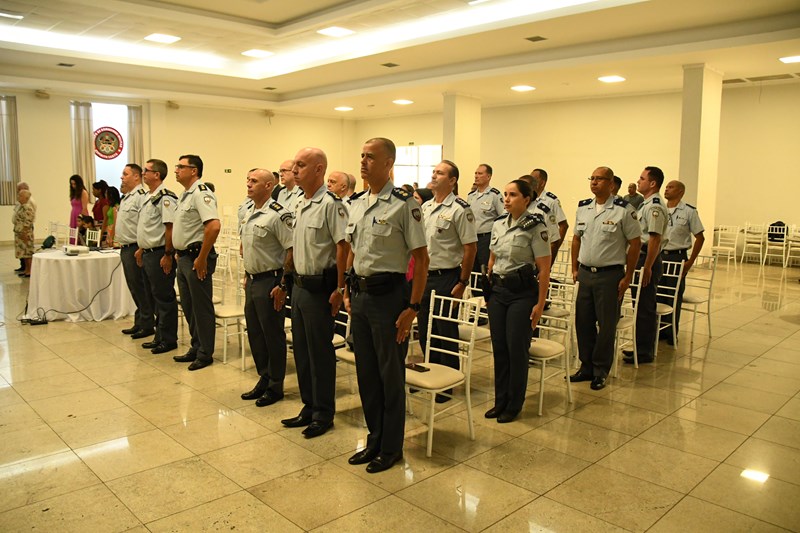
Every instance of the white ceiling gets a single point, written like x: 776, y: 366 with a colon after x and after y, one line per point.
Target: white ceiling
x: 647, y: 42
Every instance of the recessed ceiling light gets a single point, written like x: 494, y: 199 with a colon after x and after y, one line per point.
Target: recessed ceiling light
x: 162, y: 38
x: 755, y: 475
x: 523, y: 88
x: 335, y: 31
x: 258, y: 54
x: 11, y: 15
x: 403, y: 102
x: 476, y: 2
x: 790, y: 59
x: 343, y: 108
x: 611, y: 79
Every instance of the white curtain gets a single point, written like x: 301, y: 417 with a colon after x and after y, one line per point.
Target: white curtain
x: 83, y: 142
x: 135, y: 140
x: 9, y: 151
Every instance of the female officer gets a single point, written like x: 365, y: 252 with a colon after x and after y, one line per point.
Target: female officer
x: 519, y: 240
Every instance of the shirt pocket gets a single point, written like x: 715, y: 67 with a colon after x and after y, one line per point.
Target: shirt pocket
x: 442, y: 225
x: 259, y: 232
x: 609, y: 231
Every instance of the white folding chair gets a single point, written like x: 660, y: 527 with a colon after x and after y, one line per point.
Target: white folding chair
x: 626, y: 325
x: 93, y: 237
x: 230, y: 315
x: 73, y: 236
x: 792, y: 246
x: 776, y: 243
x: 439, y: 378
x: 754, y: 235
x: 555, y: 337
x: 667, y: 291
x: 726, y: 240
x: 699, y: 282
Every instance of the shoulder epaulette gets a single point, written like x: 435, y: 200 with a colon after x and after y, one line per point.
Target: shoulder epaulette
x: 167, y: 192
x: 335, y: 197
x: 693, y: 207
x: 501, y: 217
x: 620, y: 201
x: 551, y: 195
x: 202, y: 187
x: 276, y: 206
x: 656, y: 200
x: 463, y: 203
x: 357, y: 195
x: 140, y: 191
x: 530, y: 221
x: 543, y: 207
x: 496, y: 191
x: 401, y: 193
x: 584, y: 202
x: 164, y: 192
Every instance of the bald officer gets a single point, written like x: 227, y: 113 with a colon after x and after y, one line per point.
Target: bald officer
x: 134, y: 197
x: 604, y: 228
x: 194, y: 233
x: 487, y: 205
x: 266, y: 233
x: 319, y: 255
x: 653, y: 219
x: 156, y: 255
x: 452, y: 242
x: 684, y: 222
x: 384, y: 230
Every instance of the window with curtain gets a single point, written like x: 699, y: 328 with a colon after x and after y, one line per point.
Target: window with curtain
x: 9, y: 150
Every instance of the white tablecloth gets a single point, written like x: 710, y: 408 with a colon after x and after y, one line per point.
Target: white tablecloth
x: 61, y: 285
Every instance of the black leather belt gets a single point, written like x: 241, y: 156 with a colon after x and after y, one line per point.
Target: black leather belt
x: 484, y: 234
x: 443, y: 271
x: 376, y: 284
x: 156, y: 249
x: 601, y: 269
x: 263, y: 275
x: 681, y: 251
x: 123, y: 246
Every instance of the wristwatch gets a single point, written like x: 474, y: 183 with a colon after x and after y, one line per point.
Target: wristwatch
x: 464, y: 282
x: 414, y: 307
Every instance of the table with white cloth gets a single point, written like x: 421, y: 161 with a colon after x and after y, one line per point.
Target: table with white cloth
x: 63, y: 285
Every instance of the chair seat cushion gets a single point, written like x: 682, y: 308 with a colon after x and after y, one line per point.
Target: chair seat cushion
x: 481, y: 333
x: 625, y: 322
x: 228, y: 311
x: 545, y: 349
x: 694, y: 297
x: 557, y: 312
x: 663, y: 309
x: 439, y: 377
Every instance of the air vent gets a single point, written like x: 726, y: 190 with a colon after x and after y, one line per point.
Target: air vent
x: 773, y: 77
x: 536, y: 38
x: 270, y: 88
x: 389, y: 65
x: 734, y: 80
x: 66, y: 65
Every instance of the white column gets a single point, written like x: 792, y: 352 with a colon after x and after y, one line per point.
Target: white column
x: 461, y: 137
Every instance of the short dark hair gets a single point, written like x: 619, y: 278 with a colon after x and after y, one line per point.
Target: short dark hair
x: 388, y: 145
x: 488, y: 168
x: 136, y: 168
x: 160, y: 167
x: 542, y: 172
x: 453, y: 168
x: 530, y: 181
x: 618, y: 182
x: 525, y: 188
x: 100, y: 186
x: 655, y: 174
x: 195, y: 161
x: 425, y: 194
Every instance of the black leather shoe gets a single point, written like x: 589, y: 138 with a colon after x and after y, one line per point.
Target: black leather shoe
x: 317, y: 428
x: 598, y: 383
x: 185, y: 358
x: 197, y: 364
x: 142, y: 333
x: 268, y: 398
x: 577, y: 377
x: 296, y: 422
x: 256, y: 392
x: 149, y: 345
x: 363, y: 457
x: 131, y: 330
x: 20, y: 269
x: 506, y: 417
x: 383, y: 461
x: 164, y: 347
x: 494, y: 412
x: 643, y: 359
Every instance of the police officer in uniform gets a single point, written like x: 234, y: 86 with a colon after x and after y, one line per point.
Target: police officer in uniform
x: 451, y: 238
x: 194, y: 233
x: 519, y: 241
x: 134, y: 197
x: 155, y: 255
x: 290, y: 193
x: 684, y: 222
x: 605, y: 227
x: 556, y: 214
x: 385, y: 228
x: 653, y: 219
x: 246, y: 204
x: 266, y: 247
x: 543, y: 209
x: 319, y: 255
x: 487, y: 205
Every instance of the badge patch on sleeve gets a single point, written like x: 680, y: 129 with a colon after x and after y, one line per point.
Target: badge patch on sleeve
x: 166, y: 203
x: 470, y: 218
x: 341, y: 212
x: 416, y: 214
x: 207, y: 199
x: 544, y: 236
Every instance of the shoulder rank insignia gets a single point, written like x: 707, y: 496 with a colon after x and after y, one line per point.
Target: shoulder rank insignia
x: 463, y: 203
x: 656, y: 200
x: 502, y: 217
x: 691, y: 206
x: 164, y: 192
x: 202, y: 187
x: 140, y: 191
x: 530, y: 221
x: 332, y: 195
x: 401, y: 193
x: 496, y: 191
x: 585, y: 202
x: 543, y: 207
x: 357, y: 195
x: 276, y: 206
x: 551, y: 195
x: 620, y: 202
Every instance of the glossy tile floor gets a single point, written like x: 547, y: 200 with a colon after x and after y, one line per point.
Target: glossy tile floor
x: 97, y: 434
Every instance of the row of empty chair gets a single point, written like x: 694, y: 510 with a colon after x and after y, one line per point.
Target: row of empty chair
x: 764, y: 242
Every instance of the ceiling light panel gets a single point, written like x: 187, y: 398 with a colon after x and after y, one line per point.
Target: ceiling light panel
x: 162, y: 38
x: 790, y: 59
x: 523, y: 88
x: 256, y: 53
x: 335, y: 31
x: 611, y: 79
